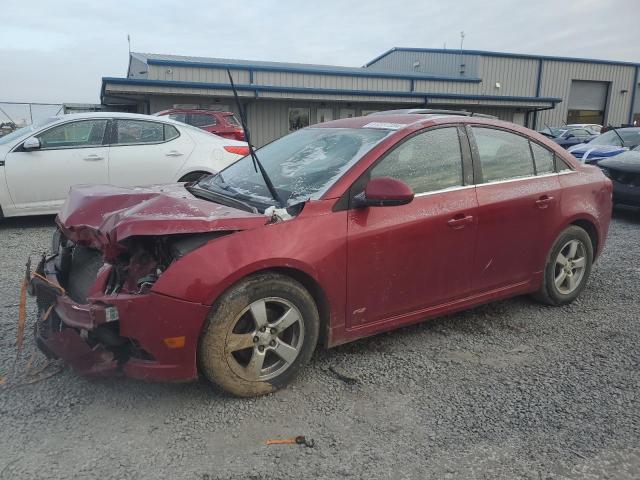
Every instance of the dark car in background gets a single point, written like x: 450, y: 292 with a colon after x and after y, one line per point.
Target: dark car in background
x: 609, y: 144
x: 223, y: 124
x: 568, y: 136
x: 624, y: 172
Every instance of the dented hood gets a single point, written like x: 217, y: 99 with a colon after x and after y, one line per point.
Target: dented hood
x: 102, y: 215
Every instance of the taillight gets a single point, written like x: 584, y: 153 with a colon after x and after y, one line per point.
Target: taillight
x: 238, y: 150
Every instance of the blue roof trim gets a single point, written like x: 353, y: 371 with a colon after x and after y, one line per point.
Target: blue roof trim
x: 525, y: 56
x: 312, y: 70
x: 320, y: 91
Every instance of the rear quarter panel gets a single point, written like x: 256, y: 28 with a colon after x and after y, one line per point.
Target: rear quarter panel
x: 587, y: 197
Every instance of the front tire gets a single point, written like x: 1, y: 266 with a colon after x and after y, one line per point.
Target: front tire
x: 258, y: 335
x: 568, y: 267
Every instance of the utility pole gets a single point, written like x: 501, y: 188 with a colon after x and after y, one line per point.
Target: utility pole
x: 129, y: 42
x: 461, y: 39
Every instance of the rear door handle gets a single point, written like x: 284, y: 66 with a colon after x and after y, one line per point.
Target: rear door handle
x: 93, y: 158
x: 544, y: 201
x: 460, y: 221
x: 174, y: 153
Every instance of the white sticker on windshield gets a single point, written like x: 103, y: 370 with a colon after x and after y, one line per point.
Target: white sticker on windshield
x: 387, y: 126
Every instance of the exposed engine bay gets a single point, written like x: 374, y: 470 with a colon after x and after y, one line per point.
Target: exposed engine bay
x: 135, y: 270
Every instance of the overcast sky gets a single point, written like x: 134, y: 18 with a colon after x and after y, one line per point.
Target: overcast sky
x: 57, y: 51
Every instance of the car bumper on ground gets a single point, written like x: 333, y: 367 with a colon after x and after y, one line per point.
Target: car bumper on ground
x: 147, y: 336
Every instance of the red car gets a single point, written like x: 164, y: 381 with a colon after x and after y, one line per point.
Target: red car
x: 382, y: 222
x: 223, y: 124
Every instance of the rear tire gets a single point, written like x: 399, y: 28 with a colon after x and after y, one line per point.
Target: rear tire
x: 567, y: 268
x: 258, y: 335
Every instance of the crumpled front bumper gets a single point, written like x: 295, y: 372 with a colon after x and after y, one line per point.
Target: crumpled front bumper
x: 147, y: 323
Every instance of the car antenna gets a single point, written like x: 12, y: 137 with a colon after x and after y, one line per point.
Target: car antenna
x: 256, y: 163
x: 616, y: 132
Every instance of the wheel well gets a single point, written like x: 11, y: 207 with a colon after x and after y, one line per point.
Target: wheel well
x: 590, y: 228
x: 316, y: 292
x: 193, y: 175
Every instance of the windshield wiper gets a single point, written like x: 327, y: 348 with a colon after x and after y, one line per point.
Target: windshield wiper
x: 219, y: 198
x: 256, y: 163
x: 616, y: 132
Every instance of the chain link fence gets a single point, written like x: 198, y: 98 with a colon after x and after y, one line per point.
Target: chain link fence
x: 14, y: 115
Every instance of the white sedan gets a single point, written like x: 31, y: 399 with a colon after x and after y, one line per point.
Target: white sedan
x: 40, y: 163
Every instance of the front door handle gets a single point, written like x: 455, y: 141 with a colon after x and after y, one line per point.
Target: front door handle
x: 544, y: 201
x: 174, y: 153
x: 460, y: 221
x: 93, y: 158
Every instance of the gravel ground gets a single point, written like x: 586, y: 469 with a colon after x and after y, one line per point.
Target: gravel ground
x: 508, y: 390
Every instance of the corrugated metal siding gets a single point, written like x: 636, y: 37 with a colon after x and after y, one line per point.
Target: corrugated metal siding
x: 517, y: 77
x: 291, y: 79
x: 556, y: 81
x: 194, y: 74
x: 432, y: 63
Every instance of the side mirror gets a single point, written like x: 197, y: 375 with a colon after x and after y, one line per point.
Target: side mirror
x: 31, y: 143
x: 571, y: 135
x: 384, y: 192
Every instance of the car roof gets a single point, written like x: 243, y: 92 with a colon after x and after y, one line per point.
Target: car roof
x: 122, y: 115
x: 196, y: 110
x: 398, y: 121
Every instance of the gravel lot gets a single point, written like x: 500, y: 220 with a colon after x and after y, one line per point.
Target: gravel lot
x: 508, y: 390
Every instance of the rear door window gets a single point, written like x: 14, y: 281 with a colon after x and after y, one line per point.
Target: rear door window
x: 178, y: 117
x: 543, y: 159
x: 130, y: 132
x: 232, y: 120
x: 202, y: 120
x: 427, y: 162
x: 170, y: 132
x: 503, y: 155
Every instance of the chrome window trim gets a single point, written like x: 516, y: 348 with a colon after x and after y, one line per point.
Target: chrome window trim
x: 531, y: 177
x: 444, y: 190
x: 462, y: 187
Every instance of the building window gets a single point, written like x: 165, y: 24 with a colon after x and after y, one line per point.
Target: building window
x: 298, y: 118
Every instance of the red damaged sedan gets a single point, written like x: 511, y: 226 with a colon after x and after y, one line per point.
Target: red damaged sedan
x: 377, y: 222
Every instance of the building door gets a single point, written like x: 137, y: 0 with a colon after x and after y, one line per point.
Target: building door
x: 324, y: 115
x: 587, y: 102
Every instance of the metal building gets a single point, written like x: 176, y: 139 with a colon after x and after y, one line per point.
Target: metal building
x: 280, y: 97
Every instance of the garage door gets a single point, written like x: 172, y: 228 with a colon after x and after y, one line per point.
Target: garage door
x: 587, y: 102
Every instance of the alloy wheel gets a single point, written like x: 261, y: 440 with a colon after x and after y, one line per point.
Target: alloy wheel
x: 265, y: 339
x: 570, y: 266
